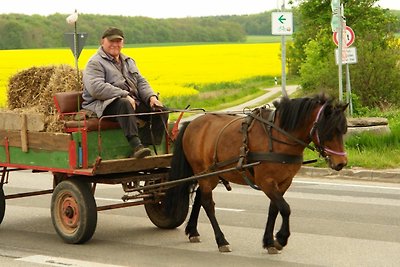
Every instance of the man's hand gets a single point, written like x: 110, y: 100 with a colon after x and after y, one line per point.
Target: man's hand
x: 132, y: 101
x: 155, y: 103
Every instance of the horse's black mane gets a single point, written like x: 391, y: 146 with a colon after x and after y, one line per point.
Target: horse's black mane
x: 295, y: 113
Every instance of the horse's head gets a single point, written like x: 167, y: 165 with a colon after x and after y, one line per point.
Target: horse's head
x: 319, y: 120
x: 327, y: 133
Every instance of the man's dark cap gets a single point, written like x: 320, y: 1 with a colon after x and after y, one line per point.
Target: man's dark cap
x: 112, y: 34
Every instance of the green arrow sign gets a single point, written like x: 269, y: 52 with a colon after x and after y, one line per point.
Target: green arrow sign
x: 282, y: 23
x: 281, y: 19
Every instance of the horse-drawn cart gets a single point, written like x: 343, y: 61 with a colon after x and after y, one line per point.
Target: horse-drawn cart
x: 88, y: 152
x: 263, y: 149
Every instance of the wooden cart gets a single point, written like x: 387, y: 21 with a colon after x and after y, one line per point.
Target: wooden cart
x: 88, y: 152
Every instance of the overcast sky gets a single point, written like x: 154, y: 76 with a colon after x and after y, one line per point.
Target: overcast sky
x: 151, y: 8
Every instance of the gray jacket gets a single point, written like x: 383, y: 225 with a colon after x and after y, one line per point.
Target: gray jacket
x: 103, y: 82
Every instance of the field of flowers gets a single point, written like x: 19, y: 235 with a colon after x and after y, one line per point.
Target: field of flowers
x: 171, y: 70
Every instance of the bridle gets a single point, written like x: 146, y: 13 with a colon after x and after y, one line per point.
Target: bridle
x: 323, y: 150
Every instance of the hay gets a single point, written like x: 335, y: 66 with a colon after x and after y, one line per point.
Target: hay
x: 32, y: 90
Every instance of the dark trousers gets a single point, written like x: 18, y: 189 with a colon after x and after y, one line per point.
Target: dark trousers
x: 155, y: 124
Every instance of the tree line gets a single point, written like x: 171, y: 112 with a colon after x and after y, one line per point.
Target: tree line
x: 20, y: 31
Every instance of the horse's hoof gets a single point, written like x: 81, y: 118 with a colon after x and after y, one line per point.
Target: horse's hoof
x: 273, y: 250
x: 225, y: 248
x: 277, y: 245
x: 194, y: 239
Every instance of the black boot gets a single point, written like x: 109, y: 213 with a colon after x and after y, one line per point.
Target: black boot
x: 139, y: 151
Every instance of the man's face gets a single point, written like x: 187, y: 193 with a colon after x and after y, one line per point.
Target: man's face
x: 112, y: 47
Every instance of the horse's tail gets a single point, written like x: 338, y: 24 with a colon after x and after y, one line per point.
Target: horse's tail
x: 177, y: 197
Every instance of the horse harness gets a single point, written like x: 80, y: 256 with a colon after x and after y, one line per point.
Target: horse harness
x: 246, y: 156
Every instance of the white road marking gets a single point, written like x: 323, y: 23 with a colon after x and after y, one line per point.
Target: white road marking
x: 345, y: 199
x: 62, y: 262
x: 109, y: 199
x: 346, y: 185
x: 228, y: 209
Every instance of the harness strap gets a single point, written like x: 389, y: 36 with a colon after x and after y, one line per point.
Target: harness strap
x: 283, y: 132
x: 271, y: 118
x: 215, y: 157
x: 274, y: 157
x: 249, y: 182
x: 261, y: 156
x: 245, y: 155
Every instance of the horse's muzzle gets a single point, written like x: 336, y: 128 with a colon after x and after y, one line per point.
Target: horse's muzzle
x: 337, y: 163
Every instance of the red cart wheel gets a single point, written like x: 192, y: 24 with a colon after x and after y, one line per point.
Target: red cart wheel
x: 2, y: 204
x: 74, y: 211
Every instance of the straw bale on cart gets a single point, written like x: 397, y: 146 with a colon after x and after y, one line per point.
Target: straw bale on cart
x: 30, y: 97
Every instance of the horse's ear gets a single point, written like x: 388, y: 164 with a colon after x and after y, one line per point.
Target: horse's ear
x: 344, y: 107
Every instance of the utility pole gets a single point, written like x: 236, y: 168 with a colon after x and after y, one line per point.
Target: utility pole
x: 283, y: 48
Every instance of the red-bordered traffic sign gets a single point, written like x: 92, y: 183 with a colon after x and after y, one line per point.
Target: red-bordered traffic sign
x: 350, y: 36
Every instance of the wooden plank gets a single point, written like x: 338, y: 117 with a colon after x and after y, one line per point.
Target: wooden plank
x: 132, y: 164
x: 24, y: 134
x: 37, y: 140
x: 10, y: 120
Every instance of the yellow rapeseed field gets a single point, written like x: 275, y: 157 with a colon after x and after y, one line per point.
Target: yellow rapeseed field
x: 171, y: 70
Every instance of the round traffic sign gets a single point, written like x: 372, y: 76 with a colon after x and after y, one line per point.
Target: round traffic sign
x: 350, y: 36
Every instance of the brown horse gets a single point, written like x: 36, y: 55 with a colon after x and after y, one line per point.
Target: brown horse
x: 274, y: 138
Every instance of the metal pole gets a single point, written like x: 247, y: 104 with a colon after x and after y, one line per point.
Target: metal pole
x: 340, y: 50
x: 283, y: 48
x: 76, y: 51
x: 348, y: 90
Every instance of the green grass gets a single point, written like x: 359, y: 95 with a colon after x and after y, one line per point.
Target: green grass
x: 266, y: 39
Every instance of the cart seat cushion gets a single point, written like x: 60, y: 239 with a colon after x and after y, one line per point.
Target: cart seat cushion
x: 69, y: 103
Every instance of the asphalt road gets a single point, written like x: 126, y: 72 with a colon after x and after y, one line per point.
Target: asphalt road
x: 334, y: 222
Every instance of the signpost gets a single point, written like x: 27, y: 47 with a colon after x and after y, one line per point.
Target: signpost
x: 343, y: 37
x: 351, y: 56
x: 348, y: 37
x: 336, y: 21
x: 282, y: 24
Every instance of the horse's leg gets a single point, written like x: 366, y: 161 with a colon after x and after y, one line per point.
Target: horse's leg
x: 280, y: 204
x: 191, y: 227
x: 268, y: 240
x: 209, y: 206
x: 283, y: 234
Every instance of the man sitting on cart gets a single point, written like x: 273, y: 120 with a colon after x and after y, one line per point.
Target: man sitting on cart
x: 113, y: 85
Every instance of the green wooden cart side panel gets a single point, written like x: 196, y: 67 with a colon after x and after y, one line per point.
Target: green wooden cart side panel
x: 113, y: 145
x: 36, y: 157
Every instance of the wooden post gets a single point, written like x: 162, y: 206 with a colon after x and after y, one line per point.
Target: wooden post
x: 24, y: 133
